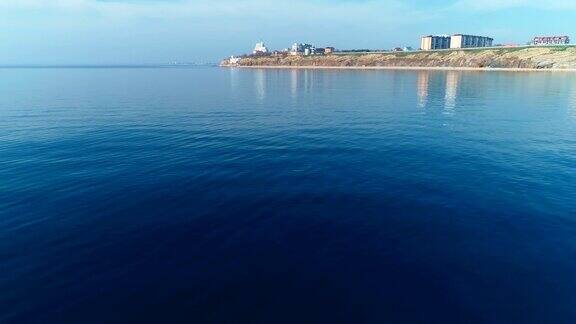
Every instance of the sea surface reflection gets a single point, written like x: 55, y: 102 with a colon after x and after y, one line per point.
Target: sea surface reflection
x: 214, y: 195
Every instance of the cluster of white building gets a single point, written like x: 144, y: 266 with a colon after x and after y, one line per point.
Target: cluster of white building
x: 260, y: 48
x: 296, y: 49
x: 302, y: 49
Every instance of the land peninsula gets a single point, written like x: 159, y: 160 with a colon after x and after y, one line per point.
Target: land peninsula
x: 561, y: 58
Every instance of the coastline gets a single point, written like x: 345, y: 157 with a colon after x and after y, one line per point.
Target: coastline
x: 403, y: 68
x: 513, y: 59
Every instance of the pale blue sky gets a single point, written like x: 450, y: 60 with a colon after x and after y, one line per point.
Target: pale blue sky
x: 156, y: 31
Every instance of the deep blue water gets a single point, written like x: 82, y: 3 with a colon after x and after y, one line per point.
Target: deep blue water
x: 209, y: 195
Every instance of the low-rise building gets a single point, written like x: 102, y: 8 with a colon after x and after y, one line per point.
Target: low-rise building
x: 468, y: 41
x: 260, y: 48
x: 320, y: 51
x: 551, y: 40
x: 303, y: 49
x: 432, y: 42
x: 297, y: 48
x: 329, y: 50
x: 234, y: 60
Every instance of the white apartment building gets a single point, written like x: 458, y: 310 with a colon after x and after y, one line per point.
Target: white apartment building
x: 432, y: 42
x: 468, y: 41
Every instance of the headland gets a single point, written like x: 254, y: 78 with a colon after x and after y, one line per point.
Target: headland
x: 524, y: 58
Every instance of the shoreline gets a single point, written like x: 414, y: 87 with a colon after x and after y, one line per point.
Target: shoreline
x: 401, y: 68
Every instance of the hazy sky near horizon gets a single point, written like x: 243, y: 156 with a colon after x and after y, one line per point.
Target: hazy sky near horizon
x: 157, y: 31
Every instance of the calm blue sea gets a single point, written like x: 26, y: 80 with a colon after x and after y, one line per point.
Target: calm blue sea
x: 213, y: 195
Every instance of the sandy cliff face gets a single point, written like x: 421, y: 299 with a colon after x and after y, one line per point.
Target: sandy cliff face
x: 528, y: 57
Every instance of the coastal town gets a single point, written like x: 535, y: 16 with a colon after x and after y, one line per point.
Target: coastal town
x: 427, y: 43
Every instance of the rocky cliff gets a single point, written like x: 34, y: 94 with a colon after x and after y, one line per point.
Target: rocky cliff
x: 557, y: 57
